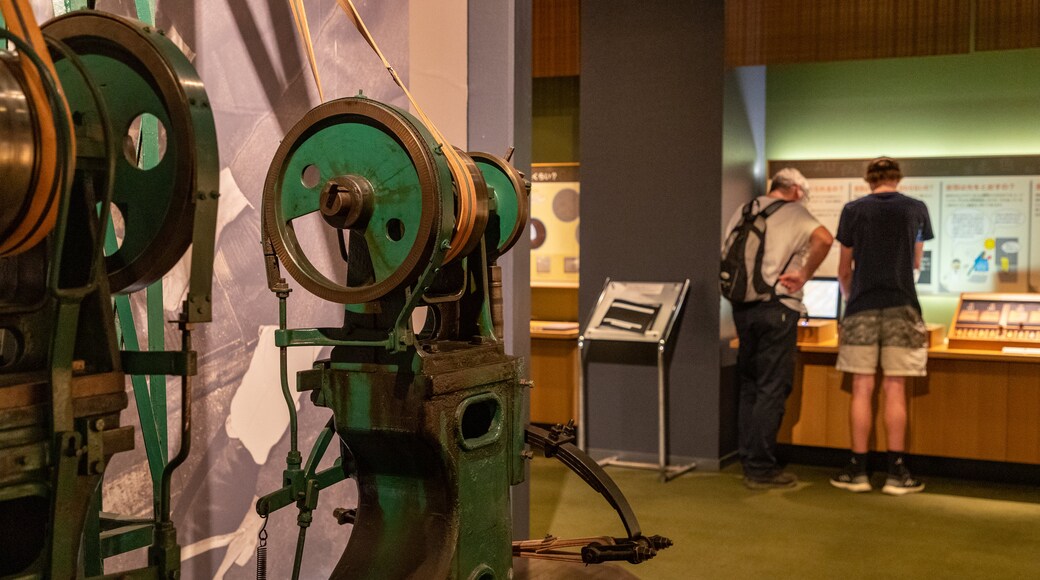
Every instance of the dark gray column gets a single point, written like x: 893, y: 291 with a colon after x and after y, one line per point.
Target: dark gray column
x: 499, y: 118
x: 651, y: 170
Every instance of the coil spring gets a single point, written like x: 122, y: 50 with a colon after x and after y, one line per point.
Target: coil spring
x: 261, y: 552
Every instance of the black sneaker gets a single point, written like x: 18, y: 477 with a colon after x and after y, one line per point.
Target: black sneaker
x: 901, y: 482
x: 776, y: 480
x: 852, y: 478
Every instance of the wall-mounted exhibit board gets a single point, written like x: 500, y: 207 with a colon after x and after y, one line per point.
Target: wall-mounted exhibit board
x: 554, y: 224
x: 985, y: 214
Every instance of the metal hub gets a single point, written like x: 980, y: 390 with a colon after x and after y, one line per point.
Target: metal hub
x: 346, y: 202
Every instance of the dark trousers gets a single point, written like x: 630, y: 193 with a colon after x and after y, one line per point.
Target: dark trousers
x: 768, y: 332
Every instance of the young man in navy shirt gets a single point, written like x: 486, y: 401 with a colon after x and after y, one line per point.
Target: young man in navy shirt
x: 882, y: 237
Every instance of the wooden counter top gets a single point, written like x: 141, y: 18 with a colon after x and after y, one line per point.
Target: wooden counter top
x: 554, y: 330
x: 939, y: 352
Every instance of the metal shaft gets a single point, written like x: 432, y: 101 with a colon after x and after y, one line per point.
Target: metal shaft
x: 662, y: 416
x: 185, y: 446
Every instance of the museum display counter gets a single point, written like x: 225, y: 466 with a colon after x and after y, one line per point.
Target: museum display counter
x: 973, y: 404
x: 554, y: 371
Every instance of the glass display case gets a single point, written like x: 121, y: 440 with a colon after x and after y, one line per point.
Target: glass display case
x: 996, y: 321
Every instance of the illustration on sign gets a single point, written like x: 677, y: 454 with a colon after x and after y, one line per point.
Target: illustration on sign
x: 554, y: 224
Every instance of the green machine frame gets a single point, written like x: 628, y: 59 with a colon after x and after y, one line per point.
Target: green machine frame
x: 86, y: 364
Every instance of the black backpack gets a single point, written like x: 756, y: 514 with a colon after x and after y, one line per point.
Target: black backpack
x: 742, y: 255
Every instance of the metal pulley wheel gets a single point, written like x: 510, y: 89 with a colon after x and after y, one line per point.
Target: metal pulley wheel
x: 509, y: 195
x: 144, y: 79
x: 369, y: 168
x: 469, y: 232
x: 31, y: 158
x: 17, y: 147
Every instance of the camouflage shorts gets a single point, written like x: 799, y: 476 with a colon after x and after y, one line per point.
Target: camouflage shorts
x: 895, y: 335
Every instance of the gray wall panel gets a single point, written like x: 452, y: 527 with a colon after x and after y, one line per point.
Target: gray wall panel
x: 651, y: 134
x: 500, y: 117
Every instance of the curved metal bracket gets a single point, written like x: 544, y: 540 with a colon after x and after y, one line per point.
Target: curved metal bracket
x: 559, y: 443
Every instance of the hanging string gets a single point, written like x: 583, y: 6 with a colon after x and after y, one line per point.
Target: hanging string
x: 465, y: 224
x: 467, y: 194
x: 299, y: 14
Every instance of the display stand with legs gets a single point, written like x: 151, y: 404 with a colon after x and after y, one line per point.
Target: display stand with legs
x: 635, y: 315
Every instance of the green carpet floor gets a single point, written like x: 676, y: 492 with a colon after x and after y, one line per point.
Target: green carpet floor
x: 954, y: 529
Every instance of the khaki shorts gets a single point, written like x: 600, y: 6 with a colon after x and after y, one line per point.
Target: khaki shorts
x: 898, y: 334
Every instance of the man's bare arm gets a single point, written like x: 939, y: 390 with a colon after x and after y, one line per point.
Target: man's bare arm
x: 845, y: 267
x: 819, y: 244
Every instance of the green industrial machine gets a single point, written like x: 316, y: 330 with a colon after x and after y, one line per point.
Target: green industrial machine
x: 428, y: 410
x: 125, y: 120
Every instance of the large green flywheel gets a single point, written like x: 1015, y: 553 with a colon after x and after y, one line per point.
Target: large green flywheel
x: 367, y: 168
x: 148, y: 84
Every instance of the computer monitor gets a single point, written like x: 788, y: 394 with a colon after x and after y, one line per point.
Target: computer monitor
x: 822, y: 298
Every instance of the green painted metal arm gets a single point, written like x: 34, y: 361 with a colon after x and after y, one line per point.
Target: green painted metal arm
x: 298, y: 481
x: 320, y: 337
x: 276, y: 500
x: 148, y: 362
x: 127, y: 538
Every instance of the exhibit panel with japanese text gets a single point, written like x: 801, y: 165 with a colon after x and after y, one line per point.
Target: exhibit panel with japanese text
x: 985, y: 213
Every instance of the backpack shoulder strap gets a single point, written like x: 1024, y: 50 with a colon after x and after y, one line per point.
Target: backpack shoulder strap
x: 771, y: 208
x: 759, y: 282
x: 749, y: 209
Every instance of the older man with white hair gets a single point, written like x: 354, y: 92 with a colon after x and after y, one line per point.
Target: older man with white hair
x: 794, y: 244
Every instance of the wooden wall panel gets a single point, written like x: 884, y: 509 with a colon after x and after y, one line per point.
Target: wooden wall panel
x: 1023, y: 431
x: 808, y: 409
x: 966, y: 409
x: 790, y: 31
x: 965, y: 412
x: 554, y: 374
x: 557, y: 38
x: 1007, y: 24
x: 818, y: 409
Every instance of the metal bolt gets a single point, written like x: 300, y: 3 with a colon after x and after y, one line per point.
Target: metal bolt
x: 99, y: 425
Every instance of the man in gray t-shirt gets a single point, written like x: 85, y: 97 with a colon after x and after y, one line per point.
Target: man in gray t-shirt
x: 795, y: 245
